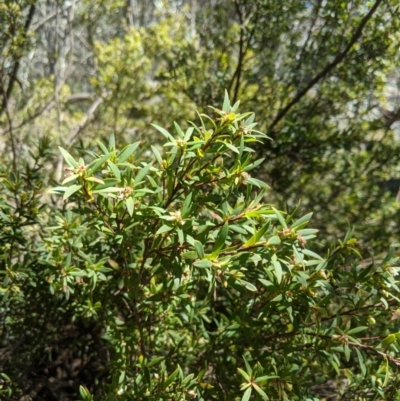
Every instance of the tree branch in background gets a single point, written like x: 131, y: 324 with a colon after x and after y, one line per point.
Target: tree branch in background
x: 49, y: 17
x: 239, y: 67
x: 88, y: 116
x: 85, y: 119
x: 242, y: 52
x: 42, y: 109
x: 329, y: 67
x: 13, y: 76
x: 10, y: 130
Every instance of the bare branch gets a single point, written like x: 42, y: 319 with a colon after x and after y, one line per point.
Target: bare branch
x: 88, y: 116
x: 329, y: 67
x: 80, y: 97
x: 49, y: 18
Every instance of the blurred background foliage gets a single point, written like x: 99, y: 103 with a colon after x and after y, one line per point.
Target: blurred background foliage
x: 321, y: 76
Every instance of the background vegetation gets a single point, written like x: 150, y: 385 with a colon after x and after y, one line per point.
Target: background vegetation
x: 95, y: 295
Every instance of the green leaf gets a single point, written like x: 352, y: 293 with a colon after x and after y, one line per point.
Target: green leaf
x: 387, y: 374
x: 155, y: 361
x: 55, y: 190
x: 71, y: 190
x: 231, y: 147
x: 302, y: 221
x: 253, y: 165
x: 179, y: 130
x: 164, y: 132
x: 307, y: 231
x: 163, y: 229
x: 265, y: 282
x: 248, y: 285
x: 5, y: 217
x: 85, y: 394
x: 114, y: 169
x: 199, y: 249
x: 250, y: 120
x: 346, y: 352
x: 205, y: 263
x: 361, y: 361
x: 265, y: 378
x: 387, y: 341
x: 187, y: 205
x: 181, y: 236
x: 312, y: 254
x: 190, y: 255
x: 157, y: 154
x: 227, y: 104
x: 357, y: 330
x: 111, y: 142
x: 130, y: 205
x: 247, y: 394
x: 189, y: 133
x: 127, y: 151
x: 220, y: 241
x: 248, y: 367
x: 257, y: 235
x: 277, y: 267
x: 107, y: 190
x: 68, y: 158
x: 244, y: 374
x: 261, y: 392
x: 241, y: 148
x: 95, y: 179
x: 280, y: 218
x: 275, y: 240
x: 171, y: 378
x: 142, y: 173
x: 96, y: 164
x: 102, y: 147
x: 258, y: 183
x: 70, y: 178
x: 238, y: 229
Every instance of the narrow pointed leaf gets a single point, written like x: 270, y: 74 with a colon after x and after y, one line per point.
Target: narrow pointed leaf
x: 247, y: 394
x: 68, y: 158
x: 199, y: 249
x: 142, y: 173
x: 130, y: 205
x: 244, y: 374
x: 114, y: 169
x: 280, y: 218
x: 302, y: 221
x: 70, y: 178
x: 164, y: 132
x: 111, y: 142
x: 277, y: 267
x: 220, y: 242
x: 171, y: 378
x: 227, y: 104
x: 96, y: 164
x: 157, y: 154
x: 179, y: 130
x: 163, y: 229
x: 126, y: 152
x: 261, y: 392
x: 71, y: 190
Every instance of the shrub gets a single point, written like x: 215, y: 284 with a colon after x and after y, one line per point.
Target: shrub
x: 165, y: 276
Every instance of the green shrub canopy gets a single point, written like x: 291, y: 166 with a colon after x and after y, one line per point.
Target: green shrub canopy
x: 164, y: 275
